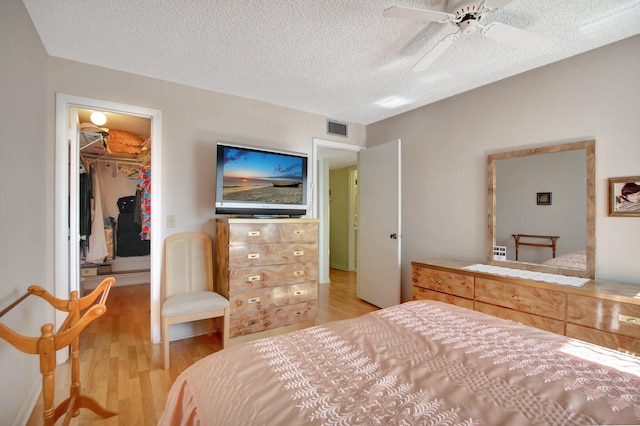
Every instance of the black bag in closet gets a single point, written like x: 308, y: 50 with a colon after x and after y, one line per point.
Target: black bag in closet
x: 128, y: 231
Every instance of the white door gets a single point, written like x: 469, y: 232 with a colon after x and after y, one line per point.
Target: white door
x: 379, y: 231
x: 74, y: 201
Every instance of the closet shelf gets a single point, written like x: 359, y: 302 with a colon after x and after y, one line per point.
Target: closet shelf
x: 88, y: 139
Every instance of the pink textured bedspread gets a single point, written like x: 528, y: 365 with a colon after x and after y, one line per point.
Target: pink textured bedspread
x: 422, y: 363
x: 573, y: 259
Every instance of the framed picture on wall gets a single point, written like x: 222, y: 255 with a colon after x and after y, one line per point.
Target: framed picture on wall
x: 543, y: 198
x: 624, y: 196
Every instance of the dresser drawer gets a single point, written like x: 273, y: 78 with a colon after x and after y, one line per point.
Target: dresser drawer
x: 420, y: 293
x: 272, y: 254
x: 609, y: 340
x: 270, y: 297
x: 268, y: 276
x: 255, y: 321
x: 543, y: 323
x: 267, y: 233
x: 445, y: 282
x: 529, y: 299
x: 607, y: 315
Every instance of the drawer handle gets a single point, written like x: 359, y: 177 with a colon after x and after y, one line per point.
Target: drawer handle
x: 298, y: 253
x: 254, y: 300
x: 253, y: 233
x: 253, y: 278
x: 298, y: 232
x: 253, y: 256
x: 298, y: 313
x: 253, y: 322
x: 298, y: 293
x: 298, y: 273
x: 516, y: 297
x: 438, y: 280
x: 628, y: 319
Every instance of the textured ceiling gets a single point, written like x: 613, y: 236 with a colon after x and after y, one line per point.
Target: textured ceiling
x: 340, y: 59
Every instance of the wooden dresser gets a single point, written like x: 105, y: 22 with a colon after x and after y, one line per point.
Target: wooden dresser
x: 601, y: 312
x: 268, y: 269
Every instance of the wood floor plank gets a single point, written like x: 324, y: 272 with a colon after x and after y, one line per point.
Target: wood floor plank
x: 122, y: 370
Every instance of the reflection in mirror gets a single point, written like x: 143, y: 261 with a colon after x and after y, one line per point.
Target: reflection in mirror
x: 542, y: 205
x: 543, y: 195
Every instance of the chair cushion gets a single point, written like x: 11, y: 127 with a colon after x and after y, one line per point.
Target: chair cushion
x: 189, y: 303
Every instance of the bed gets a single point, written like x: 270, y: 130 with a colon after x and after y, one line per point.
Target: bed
x: 574, y: 259
x: 421, y: 362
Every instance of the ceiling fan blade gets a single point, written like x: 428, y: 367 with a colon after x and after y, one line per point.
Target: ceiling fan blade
x: 435, y: 52
x: 496, y: 4
x: 417, y: 14
x: 512, y: 36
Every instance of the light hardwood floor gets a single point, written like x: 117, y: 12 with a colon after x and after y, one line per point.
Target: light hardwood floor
x: 122, y: 370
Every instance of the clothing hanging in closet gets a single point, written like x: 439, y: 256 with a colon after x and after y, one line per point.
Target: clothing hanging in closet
x: 86, y: 194
x: 144, y: 191
x: 97, y: 247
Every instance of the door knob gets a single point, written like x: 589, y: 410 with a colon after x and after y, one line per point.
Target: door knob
x: 393, y: 236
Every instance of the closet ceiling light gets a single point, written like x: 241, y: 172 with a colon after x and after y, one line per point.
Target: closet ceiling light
x: 98, y: 118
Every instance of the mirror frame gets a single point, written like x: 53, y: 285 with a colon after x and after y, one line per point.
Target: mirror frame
x: 590, y: 147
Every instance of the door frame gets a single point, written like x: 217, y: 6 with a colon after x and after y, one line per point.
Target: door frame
x: 352, y: 263
x: 320, y: 204
x: 64, y: 281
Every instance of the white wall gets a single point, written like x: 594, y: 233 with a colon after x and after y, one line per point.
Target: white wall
x: 115, y: 184
x: 26, y: 223
x: 445, y: 146
x: 193, y: 120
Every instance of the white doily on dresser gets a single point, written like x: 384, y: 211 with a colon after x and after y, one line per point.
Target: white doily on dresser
x: 528, y: 275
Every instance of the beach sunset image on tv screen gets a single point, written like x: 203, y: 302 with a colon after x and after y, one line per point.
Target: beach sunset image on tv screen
x: 258, y: 176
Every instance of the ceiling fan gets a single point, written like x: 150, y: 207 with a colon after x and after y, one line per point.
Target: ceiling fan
x: 465, y: 16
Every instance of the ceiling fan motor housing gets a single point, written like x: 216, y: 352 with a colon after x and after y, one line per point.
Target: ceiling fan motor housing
x: 468, y: 12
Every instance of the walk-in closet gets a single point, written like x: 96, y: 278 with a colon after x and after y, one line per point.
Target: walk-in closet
x: 115, y: 198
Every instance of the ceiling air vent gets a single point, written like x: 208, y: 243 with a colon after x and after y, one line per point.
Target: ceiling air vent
x: 336, y: 128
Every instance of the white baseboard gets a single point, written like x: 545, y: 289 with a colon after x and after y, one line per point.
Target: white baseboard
x: 130, y: 263
x: 122, y: 279
x: 29, y: 403
x: 339, y: 267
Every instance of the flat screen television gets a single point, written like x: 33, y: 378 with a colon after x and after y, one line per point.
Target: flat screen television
x: 254, y: 181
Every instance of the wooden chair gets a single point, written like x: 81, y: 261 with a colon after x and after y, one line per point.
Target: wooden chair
x: 188, y: 288
x: 48, y: 343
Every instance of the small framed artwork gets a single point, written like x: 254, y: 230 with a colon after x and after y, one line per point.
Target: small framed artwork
x: 624, y: 196
x: 543, y: 198
x: 499, y: 253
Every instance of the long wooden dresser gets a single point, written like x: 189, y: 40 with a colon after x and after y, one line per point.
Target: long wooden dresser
x: 268, y: 269
x: 601, y: 312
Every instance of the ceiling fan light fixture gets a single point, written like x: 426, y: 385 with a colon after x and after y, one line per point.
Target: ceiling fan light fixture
x: 469, y: 26
x: 98, y: 118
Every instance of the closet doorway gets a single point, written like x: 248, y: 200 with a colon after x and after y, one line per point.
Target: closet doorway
x: 73, y: 153
x: 115, y: 198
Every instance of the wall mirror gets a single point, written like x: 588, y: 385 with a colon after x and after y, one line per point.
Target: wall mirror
x: 541, y: 205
